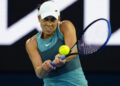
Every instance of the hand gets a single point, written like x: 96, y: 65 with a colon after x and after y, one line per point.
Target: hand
x: 58, y: 62
x: 47, y: 66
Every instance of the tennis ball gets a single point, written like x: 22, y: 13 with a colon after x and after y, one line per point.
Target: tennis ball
x: 64, y: 50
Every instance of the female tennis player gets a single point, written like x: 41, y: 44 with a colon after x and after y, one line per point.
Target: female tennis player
x: 43, y: 48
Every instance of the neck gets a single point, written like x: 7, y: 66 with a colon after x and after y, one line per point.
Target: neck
x: 46, y: 36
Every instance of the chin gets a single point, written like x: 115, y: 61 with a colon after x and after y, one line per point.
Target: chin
x: 50, y: 33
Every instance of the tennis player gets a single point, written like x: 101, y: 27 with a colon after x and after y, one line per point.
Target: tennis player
x: 43, y: 48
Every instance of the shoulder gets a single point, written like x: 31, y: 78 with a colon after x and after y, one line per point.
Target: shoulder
x: 66, y: 25
x: 31, y: 42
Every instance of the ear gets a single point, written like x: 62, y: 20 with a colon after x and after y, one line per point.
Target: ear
x: 39, y: 18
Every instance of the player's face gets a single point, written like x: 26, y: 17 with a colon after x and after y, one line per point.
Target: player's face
x: 49, y: 25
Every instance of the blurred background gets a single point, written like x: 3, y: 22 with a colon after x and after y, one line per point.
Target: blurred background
x: 18, y: 22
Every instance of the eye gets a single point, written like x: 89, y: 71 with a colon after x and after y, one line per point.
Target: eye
x: 46, y: 19
x: 53, y: 19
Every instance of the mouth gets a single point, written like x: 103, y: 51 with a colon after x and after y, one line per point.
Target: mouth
x: 48, y: 30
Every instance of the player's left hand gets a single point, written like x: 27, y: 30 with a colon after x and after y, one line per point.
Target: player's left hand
x: 58, y: 62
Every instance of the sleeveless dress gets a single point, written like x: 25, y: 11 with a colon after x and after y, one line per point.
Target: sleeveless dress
x: 70, y: 74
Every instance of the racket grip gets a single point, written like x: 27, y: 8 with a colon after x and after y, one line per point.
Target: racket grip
x: 62, y: 58
x: 53, y: 64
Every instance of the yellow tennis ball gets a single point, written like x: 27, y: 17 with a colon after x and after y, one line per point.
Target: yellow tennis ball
x: 64, y: 50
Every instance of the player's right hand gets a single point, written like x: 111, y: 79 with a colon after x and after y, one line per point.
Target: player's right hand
x: 47, y: 66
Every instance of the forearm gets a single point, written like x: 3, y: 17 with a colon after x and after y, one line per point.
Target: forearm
x: 41, y: 73
x: 72, y: 56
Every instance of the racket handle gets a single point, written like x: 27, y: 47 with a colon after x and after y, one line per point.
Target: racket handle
x: 62, y: 58
x: 53, y: 64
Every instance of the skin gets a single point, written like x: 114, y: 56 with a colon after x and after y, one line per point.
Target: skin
x: 48, y: 26
x: 48, y: 29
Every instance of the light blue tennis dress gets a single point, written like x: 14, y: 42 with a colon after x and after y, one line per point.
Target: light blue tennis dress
x: 70, y: 74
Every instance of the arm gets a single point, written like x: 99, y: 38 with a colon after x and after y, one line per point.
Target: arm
x: 41, y: 69
x: 69, y: 33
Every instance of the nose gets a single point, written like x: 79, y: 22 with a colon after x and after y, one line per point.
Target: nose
x: 49, y: 23
x: 48, y: 29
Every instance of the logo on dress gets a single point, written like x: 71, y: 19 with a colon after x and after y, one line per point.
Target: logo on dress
x: 47, y: 44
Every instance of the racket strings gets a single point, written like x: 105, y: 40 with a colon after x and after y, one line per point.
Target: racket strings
x: 95, y: 37
x: 86, y: 48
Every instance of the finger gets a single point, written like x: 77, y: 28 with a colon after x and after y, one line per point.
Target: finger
x: 58, y: 56
x: 54, y: 68
x: 57, y: 61
x: 44, y: 66
x: 49, y: 65
x: 63, y: 61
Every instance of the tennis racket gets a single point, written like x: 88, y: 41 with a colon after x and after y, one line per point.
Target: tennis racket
x: 93, y: 39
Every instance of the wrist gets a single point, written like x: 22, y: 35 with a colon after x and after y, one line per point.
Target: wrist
x: 41, y: 73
